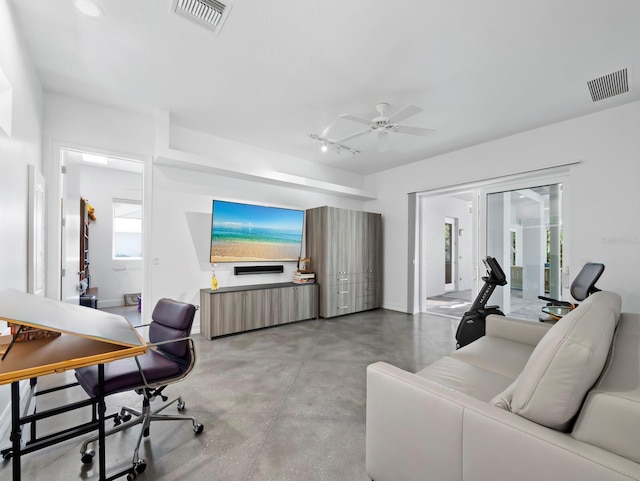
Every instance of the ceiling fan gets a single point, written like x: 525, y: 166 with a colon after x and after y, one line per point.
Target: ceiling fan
x: 383, y: 125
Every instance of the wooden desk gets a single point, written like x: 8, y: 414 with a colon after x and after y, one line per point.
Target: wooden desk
x: 88, y: 337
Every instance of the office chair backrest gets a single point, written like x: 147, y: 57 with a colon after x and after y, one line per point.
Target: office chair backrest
x: 172, y: 320
x: 584, y: 283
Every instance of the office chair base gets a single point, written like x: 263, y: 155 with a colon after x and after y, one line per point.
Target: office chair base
x: 128, y: 417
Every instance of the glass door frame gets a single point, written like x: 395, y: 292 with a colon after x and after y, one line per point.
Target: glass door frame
x: 502, y: 296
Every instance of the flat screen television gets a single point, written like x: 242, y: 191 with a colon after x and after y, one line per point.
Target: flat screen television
x: 254, y: 233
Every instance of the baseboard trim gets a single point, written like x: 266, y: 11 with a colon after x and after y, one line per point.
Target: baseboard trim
x: 110, y: 303
x: 395, y: 307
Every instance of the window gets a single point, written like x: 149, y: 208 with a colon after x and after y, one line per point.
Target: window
x: 127, y: 229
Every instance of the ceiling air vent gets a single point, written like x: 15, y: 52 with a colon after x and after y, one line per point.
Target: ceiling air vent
x: 615, y: 83
x: 209, y: 13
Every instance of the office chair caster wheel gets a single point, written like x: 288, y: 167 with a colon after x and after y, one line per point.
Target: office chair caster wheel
x: 181, y: 405
x: 6, y: 455
x: 140, y: 466
x: 198, y: 428
x: 87, y: 456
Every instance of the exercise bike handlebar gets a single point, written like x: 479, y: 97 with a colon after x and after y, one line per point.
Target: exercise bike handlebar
x: 495, y: 277
x: 495, y: 274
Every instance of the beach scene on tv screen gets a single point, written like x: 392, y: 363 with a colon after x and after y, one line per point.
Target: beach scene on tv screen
x: 248, y: 233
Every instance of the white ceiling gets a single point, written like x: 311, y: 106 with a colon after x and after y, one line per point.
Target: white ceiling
x: 282, y: 69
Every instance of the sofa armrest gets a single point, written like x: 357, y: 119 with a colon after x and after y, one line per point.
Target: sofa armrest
x: 418, y: 429
x: 411, y: 428
x: 518, y: 330
x: 498, y: 444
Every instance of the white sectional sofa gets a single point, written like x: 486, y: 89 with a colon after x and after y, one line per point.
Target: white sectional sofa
x: 517, y: 404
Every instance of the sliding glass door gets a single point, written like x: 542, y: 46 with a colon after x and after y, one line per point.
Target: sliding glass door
x: 524, y: 232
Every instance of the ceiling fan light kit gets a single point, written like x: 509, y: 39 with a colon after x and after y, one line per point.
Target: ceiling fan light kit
x: 382, y: 126
x: 325, y: 143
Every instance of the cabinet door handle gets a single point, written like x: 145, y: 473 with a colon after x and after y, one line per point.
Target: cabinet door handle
x: 343, y: 279
x: 343, y: 292
x: 343, y: 307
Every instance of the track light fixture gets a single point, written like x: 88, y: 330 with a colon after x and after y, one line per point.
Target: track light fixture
x: 326, y: 143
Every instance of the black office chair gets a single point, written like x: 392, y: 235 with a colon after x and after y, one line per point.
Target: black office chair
x: 170, y: 358
x: 581, y: 288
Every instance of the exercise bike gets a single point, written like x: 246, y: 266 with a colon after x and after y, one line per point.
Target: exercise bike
x: 472, y: 324
x: 582, y: 287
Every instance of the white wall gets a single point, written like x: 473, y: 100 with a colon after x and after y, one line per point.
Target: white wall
x: 247, y: 158
x: 603, y: 193
x: 76, y: 124
x: 178, y: 224
x: 113, y: 278
x: 181, y: 222
x: 22, y: 148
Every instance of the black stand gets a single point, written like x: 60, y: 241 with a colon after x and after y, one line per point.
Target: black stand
x: 13, y: 341
x: 36, y: 443
x: 472, y: 324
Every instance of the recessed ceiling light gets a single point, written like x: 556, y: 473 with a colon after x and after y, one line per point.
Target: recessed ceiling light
x: 89, y: 8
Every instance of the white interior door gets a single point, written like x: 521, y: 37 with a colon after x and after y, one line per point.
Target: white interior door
x: 70, y: 238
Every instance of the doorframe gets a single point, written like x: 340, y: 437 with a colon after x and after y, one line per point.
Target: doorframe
x: 548, y: 178
x: 52, y: 163
x: 416, y: 295
x: 418, y: 269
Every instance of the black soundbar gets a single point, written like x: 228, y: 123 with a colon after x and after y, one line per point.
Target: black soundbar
x: 245, y: 270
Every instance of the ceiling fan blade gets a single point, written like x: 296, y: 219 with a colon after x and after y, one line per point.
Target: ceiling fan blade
x: 405, y: 113
x: 383, y: 142
x: 405, y: 129
x: 355, y: 119
x: 352, y: 136
x: 325, y: 132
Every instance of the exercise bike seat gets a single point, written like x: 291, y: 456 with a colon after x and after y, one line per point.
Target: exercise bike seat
x: 581, y: 288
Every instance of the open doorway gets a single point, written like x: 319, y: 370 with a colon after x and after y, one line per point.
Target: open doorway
x: 101, y: 233
x: 515, y: 219
x: 446, y: 252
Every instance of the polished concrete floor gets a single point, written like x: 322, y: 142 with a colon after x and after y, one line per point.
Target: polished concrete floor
x: 456, y: 303
x: 281, y: 404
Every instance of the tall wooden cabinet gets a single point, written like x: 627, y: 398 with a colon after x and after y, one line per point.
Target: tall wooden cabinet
x: 345, y: 247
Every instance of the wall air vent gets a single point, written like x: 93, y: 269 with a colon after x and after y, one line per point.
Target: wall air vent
x: 209, y: 13
x: 615, y: 83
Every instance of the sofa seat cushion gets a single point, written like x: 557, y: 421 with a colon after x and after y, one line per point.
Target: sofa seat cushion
x: 495, y: 354
x: 609, y: 417
x: 466, y: 378
x: 566, y: 363
x: 481, y: 369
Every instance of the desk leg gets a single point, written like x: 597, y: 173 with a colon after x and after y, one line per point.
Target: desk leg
x: 101, y: 429
x: 16, y: 436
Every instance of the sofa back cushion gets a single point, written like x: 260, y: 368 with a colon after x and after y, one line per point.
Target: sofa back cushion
x: 566, y: 363
x: 610, y: 416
